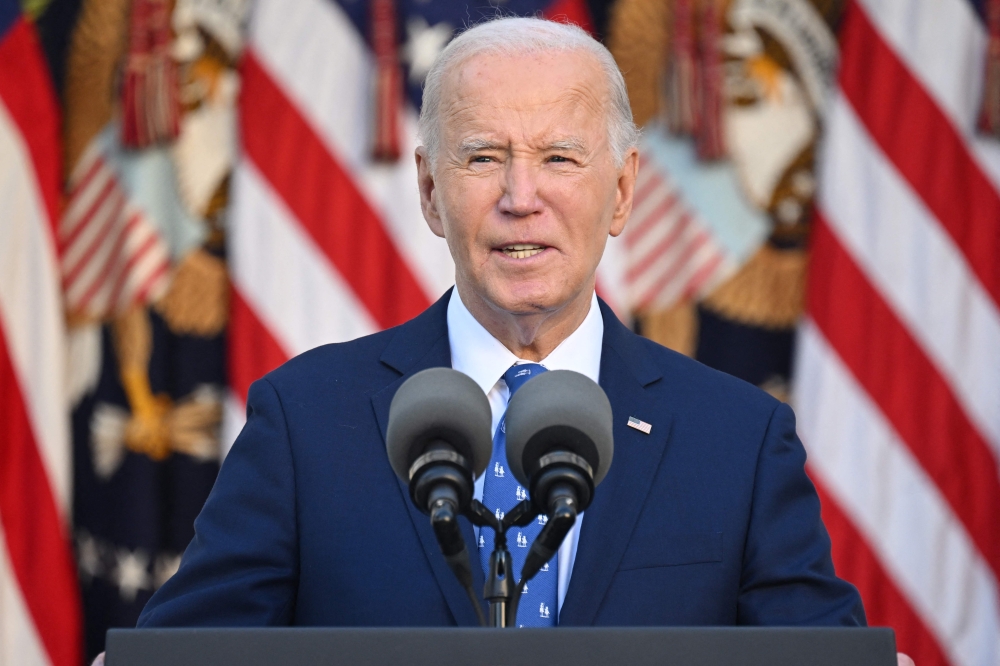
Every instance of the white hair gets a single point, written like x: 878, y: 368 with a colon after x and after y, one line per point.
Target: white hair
x: 515, y: 36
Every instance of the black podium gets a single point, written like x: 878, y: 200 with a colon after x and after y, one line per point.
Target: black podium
x: 725, y: 646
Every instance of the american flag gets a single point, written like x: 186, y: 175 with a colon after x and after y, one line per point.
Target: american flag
x: 39, y: 605
x: 898, y: 369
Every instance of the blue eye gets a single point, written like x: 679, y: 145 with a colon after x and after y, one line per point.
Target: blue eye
x: 482, y: 159
x: 558, y: 158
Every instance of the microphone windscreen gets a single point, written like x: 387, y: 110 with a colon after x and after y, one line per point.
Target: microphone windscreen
x: 559, y: 410
x: 439, y: 404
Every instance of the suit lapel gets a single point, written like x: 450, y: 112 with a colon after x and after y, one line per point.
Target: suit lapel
x: 626, y: 371
x: 420, y: 344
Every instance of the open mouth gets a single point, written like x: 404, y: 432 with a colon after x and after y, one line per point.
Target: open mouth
x: 522, y: 251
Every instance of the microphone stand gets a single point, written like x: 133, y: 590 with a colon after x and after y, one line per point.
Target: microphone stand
x: 501, y: 591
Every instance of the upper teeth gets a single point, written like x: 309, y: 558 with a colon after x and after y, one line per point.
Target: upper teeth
x: 521, y: 251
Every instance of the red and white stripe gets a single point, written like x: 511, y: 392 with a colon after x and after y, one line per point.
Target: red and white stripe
x: 112, y: 255
x: 40, y: 619
x: 898, y: 370
x: 325, y: 245
x: 670, y: 253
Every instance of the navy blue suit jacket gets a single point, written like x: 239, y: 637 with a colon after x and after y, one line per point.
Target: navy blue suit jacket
x: 708, y: 520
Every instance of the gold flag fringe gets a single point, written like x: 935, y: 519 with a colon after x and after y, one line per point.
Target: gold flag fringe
x: 637, y: 38
x: 676, y: 327
x: 768, y: 291
x: 96, y: 47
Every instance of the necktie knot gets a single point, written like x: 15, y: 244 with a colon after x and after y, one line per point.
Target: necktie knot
x: 520, y: 373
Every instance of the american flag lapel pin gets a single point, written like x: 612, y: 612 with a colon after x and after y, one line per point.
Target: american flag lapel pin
x: 641, y: 426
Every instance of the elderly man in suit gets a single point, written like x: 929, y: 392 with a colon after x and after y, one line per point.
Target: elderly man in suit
x: 707, y: 517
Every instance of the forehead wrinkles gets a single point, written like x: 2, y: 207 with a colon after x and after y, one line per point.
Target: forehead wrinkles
x: 477, y: 93
x: 569, y: 113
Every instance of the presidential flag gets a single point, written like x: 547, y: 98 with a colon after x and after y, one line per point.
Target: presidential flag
x: 147, y: 137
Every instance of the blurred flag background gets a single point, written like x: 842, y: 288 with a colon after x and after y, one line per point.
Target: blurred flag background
x: 193, y: 191
x: 39, y: 602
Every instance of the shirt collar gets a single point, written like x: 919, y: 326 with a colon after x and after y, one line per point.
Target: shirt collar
x: 475, y: 352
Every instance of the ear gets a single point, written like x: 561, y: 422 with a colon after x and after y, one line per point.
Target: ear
x: 626, y: 191
x: 428, y: 200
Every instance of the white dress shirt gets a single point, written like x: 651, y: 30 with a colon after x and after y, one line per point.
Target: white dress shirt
x: 475, y: 352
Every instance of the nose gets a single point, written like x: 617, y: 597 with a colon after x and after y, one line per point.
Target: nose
x: 520, y: 189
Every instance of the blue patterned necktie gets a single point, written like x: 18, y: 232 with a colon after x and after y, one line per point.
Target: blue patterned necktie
x: 501, y: 491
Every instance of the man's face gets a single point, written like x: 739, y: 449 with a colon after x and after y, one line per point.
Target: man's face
x: 524, y: 188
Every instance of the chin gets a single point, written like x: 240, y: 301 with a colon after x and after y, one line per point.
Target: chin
x: 526, y: 299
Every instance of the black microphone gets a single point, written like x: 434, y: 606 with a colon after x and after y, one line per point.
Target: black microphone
x: 438, y: 440
x: 560, y: 439
x: 560, y: 443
